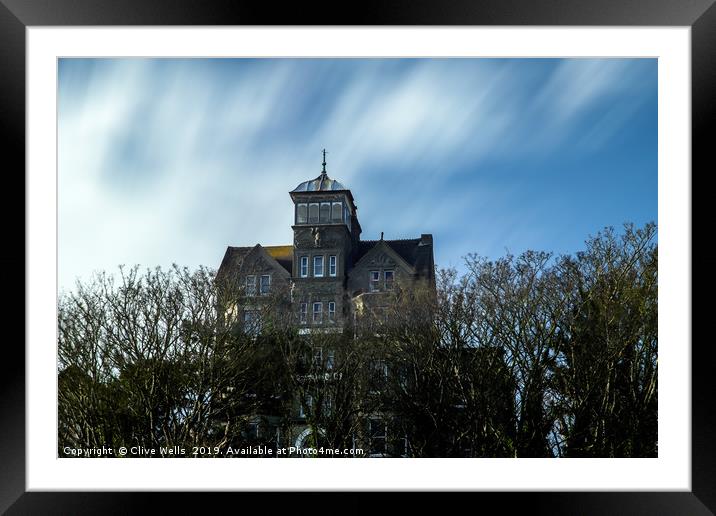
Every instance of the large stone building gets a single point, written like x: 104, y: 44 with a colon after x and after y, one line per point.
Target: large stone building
x: 329, y: 280
x: 330, y: 276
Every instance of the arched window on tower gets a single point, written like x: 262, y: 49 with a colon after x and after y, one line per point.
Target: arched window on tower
x: 325, y: 212
x: 301, y: 213
x: 336, y: 215
x: 313, y: 212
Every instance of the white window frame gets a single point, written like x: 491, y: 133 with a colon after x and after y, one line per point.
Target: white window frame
x: 303, y: 313
x: 331, y: 311
x: 318, y: 355
x: 253, y: 425
x: 320, y: 210
x: 380, y: 367
x: 303, y: 266
x: 255, y: 322
x: 386, y: 283
x: 261, y: 285
x: 340, y: 212
x: 383, y: 437
x: 374, y: 282
x: 333, y: 265
x: 318, y: 213
x: 315, y: 274
x: 298, y: 205
x: 251, y: 285
x: 405, y: 445
x: 319, y: 313
x: 308, y: 401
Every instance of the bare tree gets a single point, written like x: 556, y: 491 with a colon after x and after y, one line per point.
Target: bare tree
x: 527, y: 356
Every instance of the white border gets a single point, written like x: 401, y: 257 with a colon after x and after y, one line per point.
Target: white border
x: 671, y: 471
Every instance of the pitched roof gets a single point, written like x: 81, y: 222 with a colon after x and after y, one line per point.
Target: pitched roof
x: 418, y: 252
x: 283, y: 254
x: 234, y: 257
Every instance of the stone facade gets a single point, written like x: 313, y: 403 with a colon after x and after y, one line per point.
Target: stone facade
x: 329, y: 277
x: 332, y: 274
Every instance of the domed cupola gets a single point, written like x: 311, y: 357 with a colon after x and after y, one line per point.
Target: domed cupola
x: 325, y: 201
x: 322, y: 183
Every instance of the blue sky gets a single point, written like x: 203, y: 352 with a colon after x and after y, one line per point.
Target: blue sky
x: 167, y: 161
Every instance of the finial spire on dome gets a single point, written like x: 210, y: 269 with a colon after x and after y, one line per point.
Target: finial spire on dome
x: 324, y: 162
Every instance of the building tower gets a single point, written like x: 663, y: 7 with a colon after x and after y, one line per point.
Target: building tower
x: 326, y: 233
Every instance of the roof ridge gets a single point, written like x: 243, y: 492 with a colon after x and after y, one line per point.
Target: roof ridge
x: 392, y: 240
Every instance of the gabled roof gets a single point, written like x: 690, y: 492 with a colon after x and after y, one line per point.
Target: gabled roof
x: 417, y: 252
x: 235, y: 256
x: 283, y: 254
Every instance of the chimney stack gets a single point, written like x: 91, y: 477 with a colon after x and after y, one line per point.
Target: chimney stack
x: 426, y: 239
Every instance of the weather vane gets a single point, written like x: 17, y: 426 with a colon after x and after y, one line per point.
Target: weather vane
x: 324, y: 161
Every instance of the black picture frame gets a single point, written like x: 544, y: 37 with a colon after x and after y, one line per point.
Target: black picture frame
x: 17, y: 15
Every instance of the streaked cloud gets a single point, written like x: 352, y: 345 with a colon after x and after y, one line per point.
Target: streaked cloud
x: 170, y: 160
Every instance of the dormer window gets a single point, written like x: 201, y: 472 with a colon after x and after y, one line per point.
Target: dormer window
x: 374, y: 281
x: 251, y: 285
x: 265, y: 284
x: 388, y: 280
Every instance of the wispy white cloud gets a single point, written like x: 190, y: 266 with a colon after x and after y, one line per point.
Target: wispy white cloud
x: 166, y: 161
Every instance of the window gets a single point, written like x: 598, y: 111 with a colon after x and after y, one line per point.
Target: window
x: 332, y: 265
x: 325, y: 212
x: 252, y: 431
x: 313, y: 212
x: 305, y: 407
x: 380, y: 370
x: 336, y: 212
x: 318, y: 356
x: 377, y: 432
x: 265, y: 284
x: 401, y: 448
x: 301, y: 213
x: 317, y: 313
x: 347, y: 217
x: 331, y: 312
x: 304, y: 266
x: 252, y: 322
x: 303, y: 313
x: 318, y: 266
x: 374, y: 281
x: 330, y: 359
x: 388, y: 275
x: 251, y: 285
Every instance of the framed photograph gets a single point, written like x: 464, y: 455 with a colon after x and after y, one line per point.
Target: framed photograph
x: 419, y: 244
